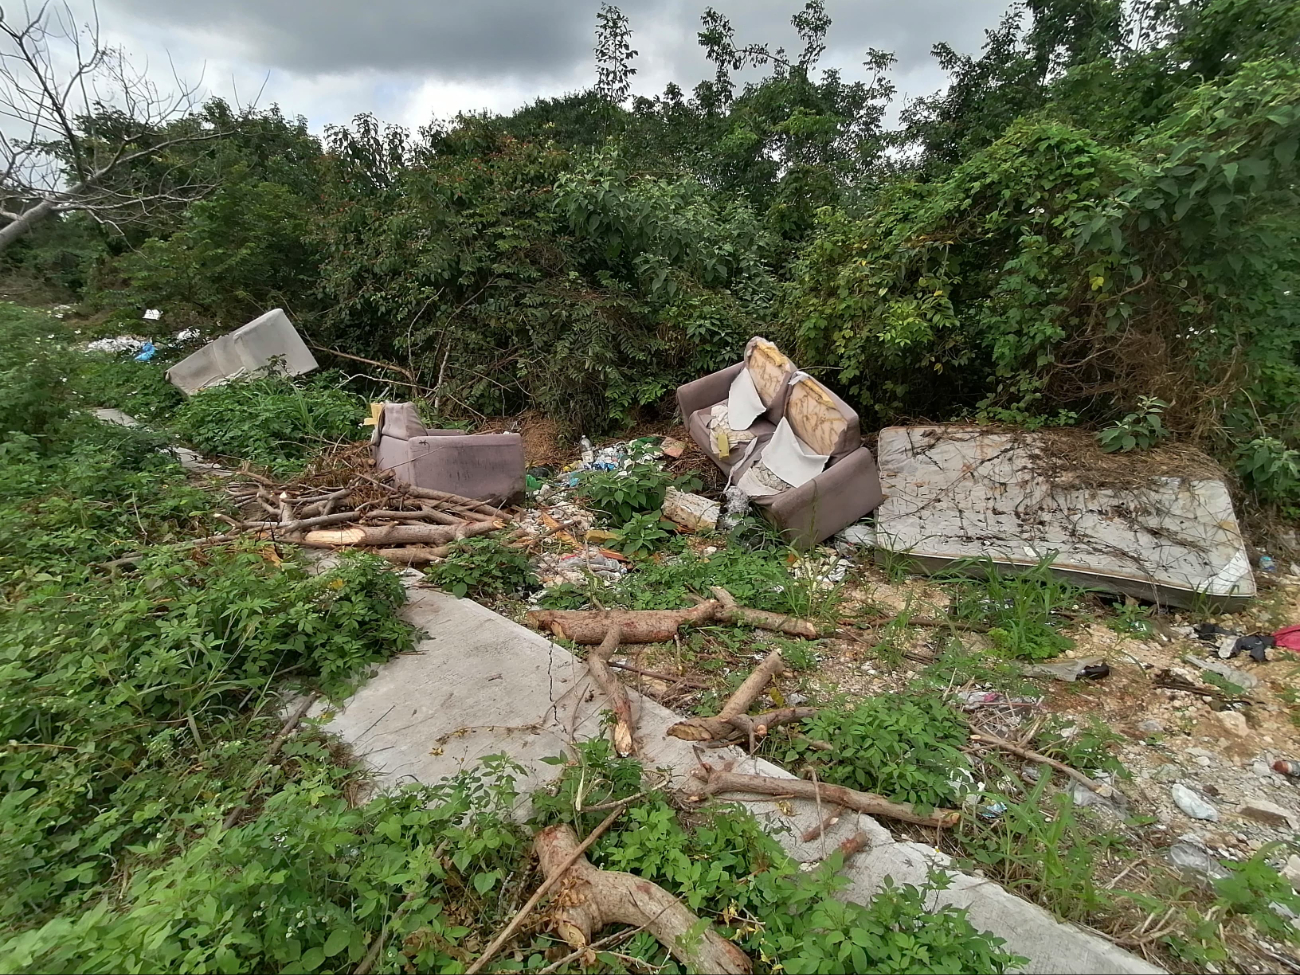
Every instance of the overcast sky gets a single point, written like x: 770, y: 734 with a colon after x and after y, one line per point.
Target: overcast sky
x: 410, y: 60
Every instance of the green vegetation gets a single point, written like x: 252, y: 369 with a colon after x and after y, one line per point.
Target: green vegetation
x: 483, y: 568
x: 274, y: 422
x: 1023, y: 611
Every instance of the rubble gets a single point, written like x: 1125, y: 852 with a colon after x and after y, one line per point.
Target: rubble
x: 1269, y: 813
x: 1238, y: 677
x: 1190, y: 853
x: 691, y: 511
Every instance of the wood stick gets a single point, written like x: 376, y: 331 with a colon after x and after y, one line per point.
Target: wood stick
x: 718, y: 781
x: 669, y: 678
x: 615, y: 692
x: 596, y: 898
x: 731, y: 612
x: 388, y: 535
x: 285, y: 527
x: 1033, y: 756
x: 430, y: 494
x: 412, y: 554
x: 427, y: 514
x: 551, y: 880
x: 856, y: 843
x: 724, y: 725
x: 830, y: 820
x: 590, y: 626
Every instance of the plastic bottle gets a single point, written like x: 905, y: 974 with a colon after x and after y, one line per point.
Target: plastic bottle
x: 1288, y: 767
x: 1266, y: 564
x: 588, y: 452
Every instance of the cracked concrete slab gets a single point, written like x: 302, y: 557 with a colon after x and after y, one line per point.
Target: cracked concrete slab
x: 480, y: 685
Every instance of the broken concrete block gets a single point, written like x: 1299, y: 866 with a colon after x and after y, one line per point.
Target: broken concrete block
x: 1268, y: 813
x: 691, y: 511
x: 956, y: 494
x: 266, y: 344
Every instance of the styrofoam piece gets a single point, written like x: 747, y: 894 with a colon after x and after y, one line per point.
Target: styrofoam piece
x: 963, y: 493
x: 266, y: 343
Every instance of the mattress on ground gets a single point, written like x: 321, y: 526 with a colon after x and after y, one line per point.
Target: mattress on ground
x: 960, y: 494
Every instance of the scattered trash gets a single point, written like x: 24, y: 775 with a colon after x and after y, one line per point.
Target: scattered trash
x: 961, y: 494
x: 1085, y: 668
x: 1192, y: 804
x: 187, y: 335
x: 691, y: 511
x: 122, y: 343
x: 1190, y: 853
x: 1256, y: 645
x: 1211, y: 633
x: 1266, y: 564
x: 824, y: 568
x: 1288, y: 638
x: 737, y: 507
x: 152, y: 314
x: 147, y: 352
x: 1238, y: 677
x: 1287, y: 767
x: 264, y: 344
x: 1151, y: 727
x: 577, y: 568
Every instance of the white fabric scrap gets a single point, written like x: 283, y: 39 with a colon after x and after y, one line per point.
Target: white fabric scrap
x: 790, y: 459
x: 744, y: 405
x: 759, y: 482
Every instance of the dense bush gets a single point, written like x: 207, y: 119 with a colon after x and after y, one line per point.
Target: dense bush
x: 271, y: 421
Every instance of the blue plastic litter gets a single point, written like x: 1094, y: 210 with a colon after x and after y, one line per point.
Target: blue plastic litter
x: 146, y: 352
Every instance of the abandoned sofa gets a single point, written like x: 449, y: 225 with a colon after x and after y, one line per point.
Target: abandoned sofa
x: 785, y: 440
x: 486, y: 466
x: 269, y: 342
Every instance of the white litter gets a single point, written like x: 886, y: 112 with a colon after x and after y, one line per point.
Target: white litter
x: 122, y: 343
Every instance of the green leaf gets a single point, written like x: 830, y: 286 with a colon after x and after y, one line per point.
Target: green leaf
x: 483, y: 882
x: 337, y: 941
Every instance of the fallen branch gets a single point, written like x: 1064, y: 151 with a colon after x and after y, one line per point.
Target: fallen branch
x: 827, y: 822
x: 412, y: 554
x: 1033, y: 756
x: 718, y: 781
x: 732, y: 722
x: 657, y: 675
x: 729, y: 611
x: 193, y: 543
x: 596, y: 898
x: 425, y: 514
x: 301, y: 524
x: 386, y: 535
x: 615, y: 692
x: 587, y: 627
x: 551, y: 880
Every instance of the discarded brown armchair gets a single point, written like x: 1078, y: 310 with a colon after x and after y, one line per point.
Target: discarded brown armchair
x: 787, y: 441
x: 486, y: 466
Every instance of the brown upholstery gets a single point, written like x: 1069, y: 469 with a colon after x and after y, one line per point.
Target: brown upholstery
x: 487, y: 467
x: 846, y: 491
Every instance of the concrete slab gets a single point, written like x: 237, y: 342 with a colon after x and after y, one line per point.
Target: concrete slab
x: 954, y: 494
x: 480, y: 684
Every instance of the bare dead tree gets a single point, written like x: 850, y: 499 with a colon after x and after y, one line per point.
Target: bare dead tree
x: 76, y: 118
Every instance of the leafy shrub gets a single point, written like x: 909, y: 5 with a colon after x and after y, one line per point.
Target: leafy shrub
x: 906, y: 748
x: 34, y: 363
x: 483, y: 568
x: 757, y: 579
x: 621, y: 494
x: 140, y: 389
x: 271, y: 421
x: 1138, y: 430
x: 1270, y: 468
x: 1019, y: 608
x: 108, y: 686
x: 642, y: 534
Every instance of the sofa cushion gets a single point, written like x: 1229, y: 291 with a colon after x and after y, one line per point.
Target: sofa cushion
x: 771, y: 372
x: 401, y: 421
x: 821, y: 419
x: 744, y: 405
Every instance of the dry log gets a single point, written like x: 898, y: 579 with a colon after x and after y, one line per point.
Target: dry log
x: 718, y: 781
x: 730, y: 611
x: 827, y: 822
x: 388, y: 535
x: 1033, y: 756
x: 425, y: 514
x: 413, y: 554
x: 589, y: 626
x: 593, y: 899
x: 598, y: 666
x: 285, y: 527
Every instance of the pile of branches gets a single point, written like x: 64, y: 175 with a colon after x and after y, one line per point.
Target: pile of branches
x: 403, y: 523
